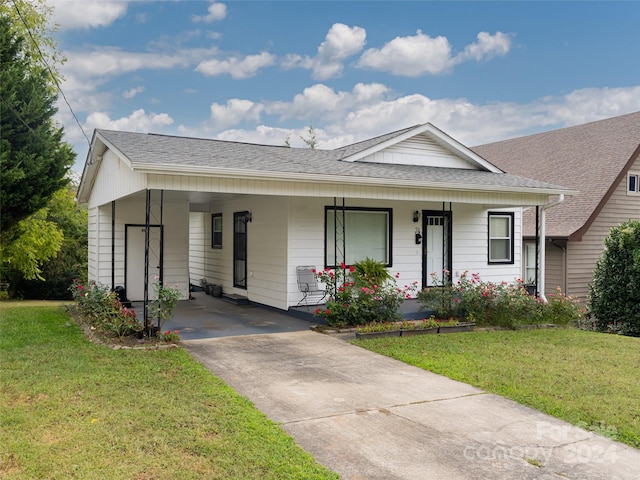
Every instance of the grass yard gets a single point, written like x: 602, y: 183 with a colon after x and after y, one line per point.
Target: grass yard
x: 589, y: 379
x: 73, y: 409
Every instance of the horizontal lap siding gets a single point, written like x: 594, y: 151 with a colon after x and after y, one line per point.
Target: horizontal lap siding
x: 583, y: 255
x: 306, y: 240
x: 197, y: 246
x: 471, y: 245
x: 554, y: 271
x: 266, y: 249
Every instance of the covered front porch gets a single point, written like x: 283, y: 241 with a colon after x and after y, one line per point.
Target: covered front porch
x: 205, y: 316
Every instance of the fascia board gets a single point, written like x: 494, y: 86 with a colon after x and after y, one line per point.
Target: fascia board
x: 439, y: 136
x: 90, y: 169
x: 338, y: 179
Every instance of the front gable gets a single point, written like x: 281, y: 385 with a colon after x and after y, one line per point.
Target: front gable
x: 425, y: 146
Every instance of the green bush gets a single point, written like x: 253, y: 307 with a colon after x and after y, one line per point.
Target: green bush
x: 369, y: 272
x: 614, y: 296
x: 100, y: 308
x: 442, y: 297
x: 354, y: 300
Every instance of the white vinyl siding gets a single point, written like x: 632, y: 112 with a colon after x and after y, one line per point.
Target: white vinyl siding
x: 419, y: 150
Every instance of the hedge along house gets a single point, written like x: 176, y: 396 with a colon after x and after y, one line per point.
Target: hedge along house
x: 600, y: 159
x: 244, y: 216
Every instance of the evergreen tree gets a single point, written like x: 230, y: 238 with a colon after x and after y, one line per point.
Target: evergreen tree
x: 34, y: 159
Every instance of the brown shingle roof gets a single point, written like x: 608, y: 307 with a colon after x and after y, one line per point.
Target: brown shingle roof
x: 590, y: 158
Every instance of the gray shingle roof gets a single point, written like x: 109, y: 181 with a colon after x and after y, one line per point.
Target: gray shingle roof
x: 154, y: 150
x: 586, y: 157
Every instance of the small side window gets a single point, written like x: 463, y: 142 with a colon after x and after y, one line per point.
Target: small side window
x: 216, y: 230
x: 633, y: 184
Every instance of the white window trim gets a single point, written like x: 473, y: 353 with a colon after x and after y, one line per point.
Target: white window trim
x: 635, y: 174
x: 214, y: 216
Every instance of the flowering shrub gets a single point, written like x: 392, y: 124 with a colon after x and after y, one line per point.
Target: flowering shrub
x: 353, y: 300
x: 442, y: 297
x: 167, y: 298
x: 498, y: 304
x: 169, y: 336
x: 562, y: 309
x: 100, y: 308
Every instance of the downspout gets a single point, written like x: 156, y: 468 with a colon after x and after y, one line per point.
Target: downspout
x: 543, y: 240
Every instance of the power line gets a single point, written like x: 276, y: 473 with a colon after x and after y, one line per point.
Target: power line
x: 53, y: 77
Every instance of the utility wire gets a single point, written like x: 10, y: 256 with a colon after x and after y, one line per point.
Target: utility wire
x: 53, y: 77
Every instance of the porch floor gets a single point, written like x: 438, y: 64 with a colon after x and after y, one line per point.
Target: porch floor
x: 209, y: 317
x: 205, y: 316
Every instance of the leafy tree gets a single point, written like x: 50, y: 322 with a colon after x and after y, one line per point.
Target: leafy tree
x: 34, y: 159
x: 70, y: 262
x: 615, y: 291
x: 311, y: 141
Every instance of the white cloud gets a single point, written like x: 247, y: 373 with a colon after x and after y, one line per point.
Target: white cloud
x: 360, y: 116
x: 86, y: 70
x: 234, y: 112
x: 320, y: 101
x: 75, y: 14
x: 138, y: 121
x: 235, y: 66
x: 217, y: 11
x: 341, y: 42
x: 132, y: 92
x: 421, y: 54
x: 487, y: 47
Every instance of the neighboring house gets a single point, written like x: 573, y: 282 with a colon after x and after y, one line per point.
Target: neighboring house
x: 600, y: 160
x: 245, y: 216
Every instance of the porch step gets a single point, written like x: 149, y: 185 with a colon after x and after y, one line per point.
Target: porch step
x: 235, y: 299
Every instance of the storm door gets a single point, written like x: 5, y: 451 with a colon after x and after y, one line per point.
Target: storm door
x: 436, y: 246
x: 134, y: 263
x: 240, y: 220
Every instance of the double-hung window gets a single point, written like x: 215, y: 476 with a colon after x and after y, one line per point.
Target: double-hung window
x: 216, y: 230
x: 501, y: 237
x: 361, y: 232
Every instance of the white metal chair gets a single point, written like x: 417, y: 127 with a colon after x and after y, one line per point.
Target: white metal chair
x: 308, y: 285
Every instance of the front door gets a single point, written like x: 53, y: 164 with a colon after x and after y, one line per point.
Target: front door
x: 240, y: 220
x: 436, y: 245
x: 134, y: 267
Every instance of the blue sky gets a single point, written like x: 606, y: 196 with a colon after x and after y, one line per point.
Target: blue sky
x: 264, y: 71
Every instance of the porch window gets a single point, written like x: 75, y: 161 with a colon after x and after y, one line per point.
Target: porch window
x: 216, y: 230
x: 530, y: 262
x: 501, y: 235
x: 367, y: 233
x: 633, y: 184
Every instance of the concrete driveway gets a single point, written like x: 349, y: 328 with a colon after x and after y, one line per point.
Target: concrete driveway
x: 367, y: 416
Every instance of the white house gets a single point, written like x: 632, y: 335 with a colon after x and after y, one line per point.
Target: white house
x: 245, y: 216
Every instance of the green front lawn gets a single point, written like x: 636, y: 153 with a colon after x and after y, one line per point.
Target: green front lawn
x: 73, y: 409
x: 585, y: 378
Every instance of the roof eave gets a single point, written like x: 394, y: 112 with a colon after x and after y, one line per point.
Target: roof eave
x: 165, y: 169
